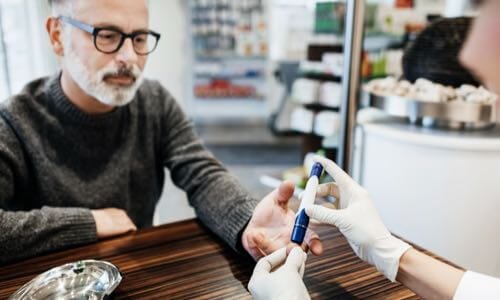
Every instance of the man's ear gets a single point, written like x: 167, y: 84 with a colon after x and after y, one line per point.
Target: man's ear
x: 54, y: 30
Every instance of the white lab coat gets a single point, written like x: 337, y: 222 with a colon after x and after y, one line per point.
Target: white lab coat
x: 478, y: 286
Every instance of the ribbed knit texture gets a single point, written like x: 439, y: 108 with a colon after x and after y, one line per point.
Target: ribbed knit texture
x: 57, y: 163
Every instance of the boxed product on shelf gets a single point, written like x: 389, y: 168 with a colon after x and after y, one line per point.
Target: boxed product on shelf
x: 227, y: 70
x: 330, y: 17
x: 314, y: 67
x: 305, y: 91
x: 302, y: 120
x: 219, y: 88
x: 330, y: 94
x: 223, y: 28
x: 327, y: 123
x: 334, y: 62
x: 308, y: 91
x: 381, y: 63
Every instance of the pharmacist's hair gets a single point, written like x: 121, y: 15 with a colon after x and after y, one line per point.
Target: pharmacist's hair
x: 62, y: 7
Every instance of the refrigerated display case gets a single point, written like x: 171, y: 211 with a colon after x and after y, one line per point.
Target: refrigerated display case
x: 433, y: 186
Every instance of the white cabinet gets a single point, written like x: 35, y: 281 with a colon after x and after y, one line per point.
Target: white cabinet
x: 437, y: 189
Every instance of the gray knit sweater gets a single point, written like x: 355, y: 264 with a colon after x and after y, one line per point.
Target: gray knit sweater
x: 57, y: 163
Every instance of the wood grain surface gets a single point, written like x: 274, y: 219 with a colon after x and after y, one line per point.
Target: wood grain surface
x: 185, y: 261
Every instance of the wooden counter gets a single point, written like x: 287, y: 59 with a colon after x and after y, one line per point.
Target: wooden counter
x: 185, y: 261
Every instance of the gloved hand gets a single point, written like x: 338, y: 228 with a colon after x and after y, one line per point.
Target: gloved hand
x: 285, y: 281
x: 359, y: 221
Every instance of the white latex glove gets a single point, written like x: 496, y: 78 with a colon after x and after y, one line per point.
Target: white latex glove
x: 358, y: 220
x: 284, y: 281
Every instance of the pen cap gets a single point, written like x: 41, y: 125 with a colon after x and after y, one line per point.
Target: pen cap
x: 300, y: 227
x: 316, y: 170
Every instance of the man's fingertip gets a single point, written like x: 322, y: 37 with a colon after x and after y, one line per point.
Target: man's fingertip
x: 285, y: 192
x: 317, y: 247
x: 287, y: 186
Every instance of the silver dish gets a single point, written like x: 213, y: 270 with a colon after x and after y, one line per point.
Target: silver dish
x: 452, y: 115
x: 87, y: 279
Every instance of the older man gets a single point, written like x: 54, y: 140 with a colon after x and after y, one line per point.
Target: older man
x: 82, y: 153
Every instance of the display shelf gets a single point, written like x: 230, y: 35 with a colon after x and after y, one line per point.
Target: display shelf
x: 319, y: 107
x: 258, y: 77
x: 320, y: 77
x: 226, y: 58
x: 373, y: 41
x: 227, y: 55
x: 450, y: 115
x: 258, y: 98
x: 222, y: 109
x: 310, y: 133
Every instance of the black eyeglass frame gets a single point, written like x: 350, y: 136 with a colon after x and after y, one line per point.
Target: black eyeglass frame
x: 94, y: 31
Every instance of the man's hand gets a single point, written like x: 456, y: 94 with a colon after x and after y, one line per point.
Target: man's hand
x: 111, y: 222
x: 274, y: 280
x: 271, y: 225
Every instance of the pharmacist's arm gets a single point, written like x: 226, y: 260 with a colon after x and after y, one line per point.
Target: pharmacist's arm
x: 359, y: 222
x: 427, y: 276
x: 433, y: 279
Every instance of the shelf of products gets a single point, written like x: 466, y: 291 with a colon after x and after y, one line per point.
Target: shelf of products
x: 222, y: 88
x: 311, y: 108
x: 229, y: 59
x: 224, y: 28
x: 234, y: 109
x: 231, y: 68
x: 317, y: 93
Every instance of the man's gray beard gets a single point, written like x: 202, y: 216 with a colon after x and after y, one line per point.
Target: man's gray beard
x: 94, y: 84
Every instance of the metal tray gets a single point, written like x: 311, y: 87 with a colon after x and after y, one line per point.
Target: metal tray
x: 87, y: 279
x: 451, y: 115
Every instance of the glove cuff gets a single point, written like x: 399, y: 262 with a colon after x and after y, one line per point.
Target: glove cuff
x: 386, y: 256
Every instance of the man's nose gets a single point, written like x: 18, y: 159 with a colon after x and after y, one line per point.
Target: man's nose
x: 127, y: 53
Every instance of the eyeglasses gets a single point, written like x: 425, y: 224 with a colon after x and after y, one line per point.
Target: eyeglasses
x: 109, y: 40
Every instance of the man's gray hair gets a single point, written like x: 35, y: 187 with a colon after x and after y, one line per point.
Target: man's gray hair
x: 65, y: 7
x: 62, y: 7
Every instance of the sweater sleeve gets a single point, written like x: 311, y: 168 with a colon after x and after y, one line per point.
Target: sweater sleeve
x: 220, y: 202
x: 27, y: 232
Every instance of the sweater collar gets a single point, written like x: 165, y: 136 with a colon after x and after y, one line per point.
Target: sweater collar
x: 69, y: 110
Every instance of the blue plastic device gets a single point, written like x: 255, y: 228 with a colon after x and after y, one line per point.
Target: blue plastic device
x: 302, y: 219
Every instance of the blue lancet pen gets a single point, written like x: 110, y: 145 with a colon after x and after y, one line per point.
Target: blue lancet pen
x: 302, y: 219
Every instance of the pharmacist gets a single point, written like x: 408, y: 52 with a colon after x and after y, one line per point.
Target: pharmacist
x: 359, y: 221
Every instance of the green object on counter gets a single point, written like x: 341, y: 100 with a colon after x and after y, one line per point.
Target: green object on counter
x: 380, y: 64
x: 321, y: 152
x: 296, y: 175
